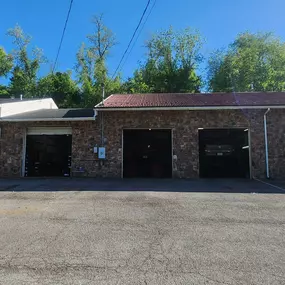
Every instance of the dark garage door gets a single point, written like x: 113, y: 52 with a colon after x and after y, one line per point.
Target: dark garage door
x: 48, y: 155
x: 224, y: 153
x: 147, y: 153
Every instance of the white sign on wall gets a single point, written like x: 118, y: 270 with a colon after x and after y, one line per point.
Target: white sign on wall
x: 101, y: 153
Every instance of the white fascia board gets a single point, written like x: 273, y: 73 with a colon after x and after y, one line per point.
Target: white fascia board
x: 102, y: 102
x: 189, y: 108
x: 47, y: 119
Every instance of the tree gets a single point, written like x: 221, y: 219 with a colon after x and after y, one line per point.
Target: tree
x: 136, y: 84
x: 24, y: 73
x: 172, y: 60
x: 61, y: 88
x: 91, y: 67
x: 4, y: 91
x: 253, y: 62
x: 84, y: 68
x: 6, y: 62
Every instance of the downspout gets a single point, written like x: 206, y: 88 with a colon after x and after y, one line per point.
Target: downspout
x: 266, y: 144
x: 102, y: 116
x: 102, y: 125
x: 95, y: 114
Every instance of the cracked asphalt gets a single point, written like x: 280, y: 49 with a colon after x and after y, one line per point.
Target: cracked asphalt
x: 141, y: 238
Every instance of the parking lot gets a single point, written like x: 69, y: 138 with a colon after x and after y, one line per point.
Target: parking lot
x: 141, y: 232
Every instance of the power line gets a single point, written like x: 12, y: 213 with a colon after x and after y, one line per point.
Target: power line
x: 62, y: 36
x: 129, y: 53
x: 132, y: 38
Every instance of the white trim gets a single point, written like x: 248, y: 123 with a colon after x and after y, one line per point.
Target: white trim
x: 266, y: 143
x: 122, y: 153
x: 102, y: 102
x: 187, y: 108
x: 24, y: 154
x: 249, y: 153
x: 49, y: 131
x: 172, y: 153
x: 47, y: 119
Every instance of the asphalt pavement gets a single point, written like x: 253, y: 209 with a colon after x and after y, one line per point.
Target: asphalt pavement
x: 142, y: 237
x: 156, y: 185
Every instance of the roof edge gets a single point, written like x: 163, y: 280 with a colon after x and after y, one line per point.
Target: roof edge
x: 187, y: 108
x: 48, y: 119
x: 102, y: 102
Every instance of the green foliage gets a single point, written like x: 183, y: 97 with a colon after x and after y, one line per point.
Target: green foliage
x: 61, y: 88
x: 84, y: 70
x: 172, y: 60
x: 6, y: 62
x: 20, y: 83
x: 251, y: 62
x: 24, y: 73
x: 4, y: 91
x: 136, y: 84
x: 91, y: 68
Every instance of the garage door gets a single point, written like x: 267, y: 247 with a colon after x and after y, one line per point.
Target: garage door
x: 224, y: 153
x: 48, y: 152
x: 147, y: 153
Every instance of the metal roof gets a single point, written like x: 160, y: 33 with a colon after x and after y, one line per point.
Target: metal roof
x: 201, y: 100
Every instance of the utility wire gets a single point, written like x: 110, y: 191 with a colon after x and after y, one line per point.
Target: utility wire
x: 62, y: 36
x: 129, y: 53
x: 132, y: 38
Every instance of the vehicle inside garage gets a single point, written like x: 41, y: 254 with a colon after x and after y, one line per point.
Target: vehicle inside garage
x: 224, y: 153
x: 48, y: 155
x: 147, y: 153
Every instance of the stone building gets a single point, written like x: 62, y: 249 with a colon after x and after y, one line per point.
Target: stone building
x: 150, y: 135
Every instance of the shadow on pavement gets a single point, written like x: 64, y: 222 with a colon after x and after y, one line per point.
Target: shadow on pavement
x: 154, y: 185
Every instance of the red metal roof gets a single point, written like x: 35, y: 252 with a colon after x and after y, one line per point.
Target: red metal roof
x: 194, y: 100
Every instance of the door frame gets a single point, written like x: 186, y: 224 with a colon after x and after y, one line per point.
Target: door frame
x: 134, y: 129
x: 64, y: 130
x: 38, y: 131
x: 24, y: 151
x: 229, y: 128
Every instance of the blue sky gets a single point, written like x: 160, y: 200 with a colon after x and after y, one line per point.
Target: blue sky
x: 219, y: 21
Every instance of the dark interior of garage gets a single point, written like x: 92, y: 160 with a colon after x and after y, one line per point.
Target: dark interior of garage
x: 48, y: 155
x: 147, y: 153
x: 224, y: 153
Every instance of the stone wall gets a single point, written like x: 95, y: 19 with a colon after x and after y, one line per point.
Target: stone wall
x: 85, y: 136
x: 11, y: 149
x: 184, y: 125
x: 276, y: 143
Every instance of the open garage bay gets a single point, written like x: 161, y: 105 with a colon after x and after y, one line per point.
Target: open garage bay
x: 224, y: 153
